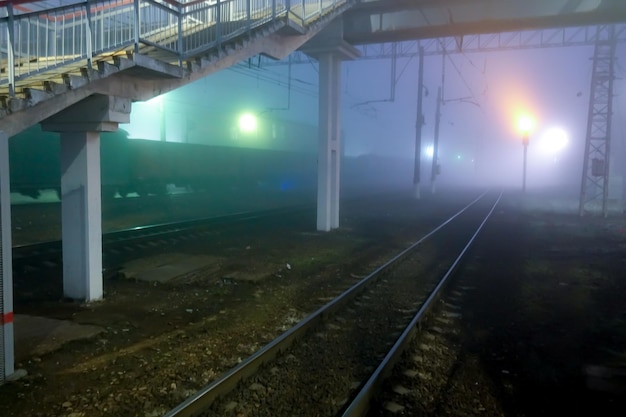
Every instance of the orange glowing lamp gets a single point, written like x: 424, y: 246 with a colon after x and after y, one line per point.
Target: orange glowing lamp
x: 525, y: 125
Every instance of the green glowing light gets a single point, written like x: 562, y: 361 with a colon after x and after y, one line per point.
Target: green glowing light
x: 247, y: 123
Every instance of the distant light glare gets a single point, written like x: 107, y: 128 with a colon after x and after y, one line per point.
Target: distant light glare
x: 554, y: 140
x: 247, y: 123
x: 430, y: 151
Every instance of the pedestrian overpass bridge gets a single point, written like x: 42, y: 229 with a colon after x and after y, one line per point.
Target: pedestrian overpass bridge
x: 76, y: 66
x: 54, y: 53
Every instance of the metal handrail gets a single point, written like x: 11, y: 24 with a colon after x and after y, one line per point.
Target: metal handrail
x: 34, y: 39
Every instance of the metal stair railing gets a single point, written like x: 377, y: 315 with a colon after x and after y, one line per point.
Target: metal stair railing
x: 49, y: 36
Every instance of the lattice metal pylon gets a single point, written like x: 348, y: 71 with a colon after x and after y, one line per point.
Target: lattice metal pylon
x: 594, y: 188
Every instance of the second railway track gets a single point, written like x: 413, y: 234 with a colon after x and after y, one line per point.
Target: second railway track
x: 333, y: 361
x: 43, y: 254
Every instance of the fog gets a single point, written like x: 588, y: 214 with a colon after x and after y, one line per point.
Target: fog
x: 479, y: 142
x: 483, y: 96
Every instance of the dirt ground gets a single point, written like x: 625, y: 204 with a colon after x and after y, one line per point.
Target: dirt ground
x: 547, y: 322
x: 545, y: 327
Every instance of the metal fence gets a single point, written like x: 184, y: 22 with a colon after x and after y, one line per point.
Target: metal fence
x: 37, y: 36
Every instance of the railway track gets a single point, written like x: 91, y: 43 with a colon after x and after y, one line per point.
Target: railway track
x: 335, y: 360
x: 49, y: 254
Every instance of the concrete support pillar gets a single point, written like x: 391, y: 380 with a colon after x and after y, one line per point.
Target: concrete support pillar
x: 7, y: 355
x: 329, y: 48
x: 80, y: 126
x: 329, y: 157
x: 81, y: 215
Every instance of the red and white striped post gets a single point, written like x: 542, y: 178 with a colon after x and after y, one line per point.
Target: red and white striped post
x: 7, y: 355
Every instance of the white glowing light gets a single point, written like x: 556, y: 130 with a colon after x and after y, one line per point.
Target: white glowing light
x: 247, y: 123
x: 554, y: 140
x: 429, y: 151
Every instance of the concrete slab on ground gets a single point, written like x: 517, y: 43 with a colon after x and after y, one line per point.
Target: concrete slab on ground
x: 36, y: 336
x: 166, y: 267
x: 249, y: 275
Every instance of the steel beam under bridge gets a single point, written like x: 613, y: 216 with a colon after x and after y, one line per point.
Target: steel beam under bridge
x: 378, y: 21
x: 493, y: 42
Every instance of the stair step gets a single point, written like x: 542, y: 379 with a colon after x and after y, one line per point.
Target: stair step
x: 35, y: 95
x: 55, y: 88
x: 75, y: 81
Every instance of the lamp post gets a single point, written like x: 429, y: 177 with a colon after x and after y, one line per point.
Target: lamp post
x: 525, y: 143
x: 525, y: 124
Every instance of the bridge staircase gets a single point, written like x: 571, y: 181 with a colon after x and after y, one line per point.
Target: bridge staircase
x: 55, y: 53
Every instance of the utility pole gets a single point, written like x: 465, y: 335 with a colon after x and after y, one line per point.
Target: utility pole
x: 435, y: 165
x: 419, y: 122
x: 435, y: 162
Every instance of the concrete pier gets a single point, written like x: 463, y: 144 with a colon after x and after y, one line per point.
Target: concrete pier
x: 330, y: 49
x: 80, y: 126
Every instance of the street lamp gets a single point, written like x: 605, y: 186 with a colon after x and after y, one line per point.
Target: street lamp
x: 525, y: 125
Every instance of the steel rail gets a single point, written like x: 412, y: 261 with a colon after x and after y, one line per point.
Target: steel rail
x: 361, y: 403
x: 230, y: 379
x: 50, y: 248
